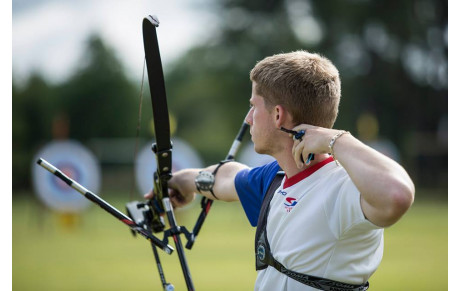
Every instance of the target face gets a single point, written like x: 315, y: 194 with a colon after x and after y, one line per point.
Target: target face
x: 78, y: 163
x: 183, y: 157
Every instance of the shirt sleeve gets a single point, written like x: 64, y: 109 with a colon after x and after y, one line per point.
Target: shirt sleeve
x: 251, y: 185
x: 346, y: 213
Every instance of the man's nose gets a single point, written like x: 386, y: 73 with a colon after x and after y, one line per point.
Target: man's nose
x: 248, y: 118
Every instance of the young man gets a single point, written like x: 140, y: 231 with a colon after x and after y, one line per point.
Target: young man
x: 324, y: 224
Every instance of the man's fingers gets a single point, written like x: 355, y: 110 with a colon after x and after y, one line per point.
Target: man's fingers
x: 176, y: 196
x: 148, y: 195
x: 297, y: 153
x: 294, y: 146
x: 178, y: 199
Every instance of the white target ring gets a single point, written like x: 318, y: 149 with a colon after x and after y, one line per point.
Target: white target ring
x: 74, y: 160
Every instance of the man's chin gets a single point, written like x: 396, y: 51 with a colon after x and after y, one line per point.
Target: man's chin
x: 259, y: 150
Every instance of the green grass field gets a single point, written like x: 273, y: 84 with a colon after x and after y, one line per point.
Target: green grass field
x: 97, y: 252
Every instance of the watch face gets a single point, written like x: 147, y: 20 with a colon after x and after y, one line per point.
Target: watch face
x: 204, y: 181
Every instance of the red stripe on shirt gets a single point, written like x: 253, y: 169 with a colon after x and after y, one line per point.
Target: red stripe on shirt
x: 305, y: 173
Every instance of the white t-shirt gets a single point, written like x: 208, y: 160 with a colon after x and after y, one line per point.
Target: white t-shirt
x: 316, y: 226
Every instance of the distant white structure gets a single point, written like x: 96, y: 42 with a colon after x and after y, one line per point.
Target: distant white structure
x: 183, y: 156
x: 249, y: 157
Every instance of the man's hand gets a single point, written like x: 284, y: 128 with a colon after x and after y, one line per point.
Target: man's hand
x: 316, y: 140
x: 386, y: 189
x: 181, y: 191
x: 179, y: 198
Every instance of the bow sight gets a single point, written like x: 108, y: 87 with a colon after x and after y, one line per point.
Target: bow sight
x: 150, y: 214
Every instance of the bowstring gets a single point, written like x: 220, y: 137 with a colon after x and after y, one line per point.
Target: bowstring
x: 138, y: 129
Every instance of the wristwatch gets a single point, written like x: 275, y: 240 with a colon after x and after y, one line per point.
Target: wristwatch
x: 205, y: 180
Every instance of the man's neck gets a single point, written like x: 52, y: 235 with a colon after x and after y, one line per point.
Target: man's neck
x: 287, y: 163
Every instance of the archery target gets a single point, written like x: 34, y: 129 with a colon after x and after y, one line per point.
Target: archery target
x: 74, y: 160
x: 183, y: 157
x: 249, y: 157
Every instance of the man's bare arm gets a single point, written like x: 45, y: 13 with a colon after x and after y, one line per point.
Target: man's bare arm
x: 183, y: 189
x: 386, y: 189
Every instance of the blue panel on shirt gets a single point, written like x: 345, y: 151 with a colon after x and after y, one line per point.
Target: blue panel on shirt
x: 251, y: 186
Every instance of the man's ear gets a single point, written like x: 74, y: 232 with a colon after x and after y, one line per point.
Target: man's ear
x: 281, y: 116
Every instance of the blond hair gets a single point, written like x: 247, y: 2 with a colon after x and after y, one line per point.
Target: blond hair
x: 306, y: 84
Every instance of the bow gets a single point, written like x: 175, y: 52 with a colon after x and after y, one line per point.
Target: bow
x: 146, y: 218
x: 163, y: 150
x: 160, y: 203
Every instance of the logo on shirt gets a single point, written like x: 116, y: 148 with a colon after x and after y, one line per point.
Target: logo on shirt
x: 289, y: 203
x: 261, y: 252
x: 284, y: 193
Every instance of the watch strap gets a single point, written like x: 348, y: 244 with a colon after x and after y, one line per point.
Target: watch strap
x: 221, y: 163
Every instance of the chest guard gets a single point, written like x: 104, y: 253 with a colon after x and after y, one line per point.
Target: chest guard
x: 264, y: 257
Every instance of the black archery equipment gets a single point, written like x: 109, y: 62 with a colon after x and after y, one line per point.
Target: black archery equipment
x: 146, y: 218
x: 151, y: 213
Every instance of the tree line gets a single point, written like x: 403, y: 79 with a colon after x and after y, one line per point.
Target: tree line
x: 392, y: 56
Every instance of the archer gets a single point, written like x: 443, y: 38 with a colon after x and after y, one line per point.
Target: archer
x: 336, y: 212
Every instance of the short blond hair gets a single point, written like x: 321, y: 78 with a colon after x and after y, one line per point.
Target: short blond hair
x: 307, y: 84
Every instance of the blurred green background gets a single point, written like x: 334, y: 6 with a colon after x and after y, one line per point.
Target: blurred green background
x: 392, y: 56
